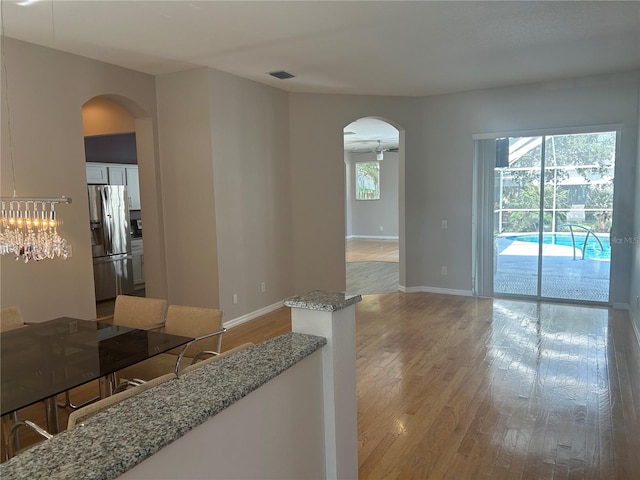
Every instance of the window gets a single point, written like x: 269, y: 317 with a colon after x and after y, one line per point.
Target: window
x: 368, y: 181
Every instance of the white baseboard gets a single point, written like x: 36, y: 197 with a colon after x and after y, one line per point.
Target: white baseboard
x: 444, y: 291
x: 374, y: 237
x: 255, y: 314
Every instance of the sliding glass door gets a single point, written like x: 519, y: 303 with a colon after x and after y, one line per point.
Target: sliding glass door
x: 517, y: 215
x: 552, y: 212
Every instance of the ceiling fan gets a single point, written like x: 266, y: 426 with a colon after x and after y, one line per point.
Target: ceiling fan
x: 378, y: 149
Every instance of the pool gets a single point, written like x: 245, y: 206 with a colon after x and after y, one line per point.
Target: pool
x: 593, y: 249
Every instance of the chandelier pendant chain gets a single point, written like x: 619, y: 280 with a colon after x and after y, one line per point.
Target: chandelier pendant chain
x: 6, y: 96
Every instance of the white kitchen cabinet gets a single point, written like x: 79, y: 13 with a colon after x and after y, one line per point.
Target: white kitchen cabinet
x: 117, y: 175
x: 133, y: 187
x: 97, y: 174
x: 137, y: 252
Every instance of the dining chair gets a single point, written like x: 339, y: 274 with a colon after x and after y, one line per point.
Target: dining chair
x: 80, y: 415
x: 139, y: 312
x: 129, y: 311
x: 204, y: 325
x: 10, y: 319
x: 12, y: 445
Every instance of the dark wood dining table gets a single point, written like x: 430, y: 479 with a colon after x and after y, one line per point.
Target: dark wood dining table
x: 42, y: 360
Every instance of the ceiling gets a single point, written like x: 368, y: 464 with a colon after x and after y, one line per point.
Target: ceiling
x: 363, y: 135
x: 408, y: 48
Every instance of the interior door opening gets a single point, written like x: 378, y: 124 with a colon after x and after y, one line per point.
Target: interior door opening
x: 111, y: 155
x: 372, y: 210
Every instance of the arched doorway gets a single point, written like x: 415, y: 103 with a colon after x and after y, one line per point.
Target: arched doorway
x: 372, y: 210
x: 110, y: 127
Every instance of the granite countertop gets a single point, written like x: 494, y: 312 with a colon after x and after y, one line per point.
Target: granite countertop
x: 323, y: 301
x: 116, y: 440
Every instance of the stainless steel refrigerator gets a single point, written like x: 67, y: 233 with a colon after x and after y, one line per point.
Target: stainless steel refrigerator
x: 110, y: 240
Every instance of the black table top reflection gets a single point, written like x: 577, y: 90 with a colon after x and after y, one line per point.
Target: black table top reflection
x: 45, y: 359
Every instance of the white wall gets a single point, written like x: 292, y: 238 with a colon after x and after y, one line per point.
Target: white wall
x: 279, y: 199
x: 437, y: 167
x: 443, y: 183
x: 47, y: 89
x: 224, y: 148
x: 184, y: 129
x: 368, y: 215
x: 250, y: 133
x: 318, y: 178
x: 348, y: 194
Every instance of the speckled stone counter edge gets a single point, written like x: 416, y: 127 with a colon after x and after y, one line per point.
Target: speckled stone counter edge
x: 323, y: 301
x: 116, y: 440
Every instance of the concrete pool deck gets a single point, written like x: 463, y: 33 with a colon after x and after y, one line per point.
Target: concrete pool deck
x: 516, y: 272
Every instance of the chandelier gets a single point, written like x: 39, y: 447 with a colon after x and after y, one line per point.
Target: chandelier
x: 29, y: 229
x: 29, y: 226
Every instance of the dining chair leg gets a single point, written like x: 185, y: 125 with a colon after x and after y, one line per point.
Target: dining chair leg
x: 136, y: 382
x: 13, y: 433
x: 16, y: 440
x: 107, y: 385
x: 10, y: 444
x: 73, y: 406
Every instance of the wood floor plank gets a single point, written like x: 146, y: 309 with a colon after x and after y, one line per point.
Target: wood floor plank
x: 474, y: 388
x: 542, y: 376
x: 371, y: 250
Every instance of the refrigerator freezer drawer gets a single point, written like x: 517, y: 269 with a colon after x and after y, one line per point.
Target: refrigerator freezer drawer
x: 113, y: 276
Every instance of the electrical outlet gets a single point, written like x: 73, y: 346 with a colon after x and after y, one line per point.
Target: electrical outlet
x: 381, y: 228
x: 443, y: 224
x: 235, y: 298
x: 443, y: 270
x: 263, y: 287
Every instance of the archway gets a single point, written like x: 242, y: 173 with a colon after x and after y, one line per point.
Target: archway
x: 372, y: 210
x: 118, y: 144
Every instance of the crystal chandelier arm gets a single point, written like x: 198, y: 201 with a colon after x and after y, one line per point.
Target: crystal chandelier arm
x: 65, y: 200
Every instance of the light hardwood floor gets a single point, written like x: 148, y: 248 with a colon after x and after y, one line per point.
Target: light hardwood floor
x: 473, y: 388
x: 468, y: 388
x: 371, y: 250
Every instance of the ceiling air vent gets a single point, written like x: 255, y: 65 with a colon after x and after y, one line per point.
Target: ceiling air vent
x: 281, y: 74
